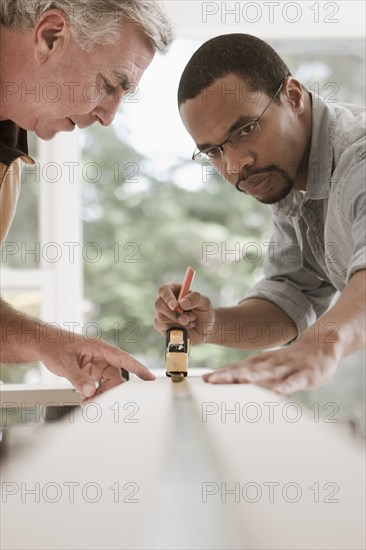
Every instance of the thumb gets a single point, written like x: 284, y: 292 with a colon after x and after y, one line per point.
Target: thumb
x: 83, y: 383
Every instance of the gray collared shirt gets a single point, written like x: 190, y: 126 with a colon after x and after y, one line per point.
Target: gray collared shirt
x: 319, y: 237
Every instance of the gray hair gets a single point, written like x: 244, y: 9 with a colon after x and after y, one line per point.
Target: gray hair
x: 93, y: 21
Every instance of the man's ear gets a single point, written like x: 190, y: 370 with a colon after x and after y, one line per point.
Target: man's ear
x: 293, y: 94
x: 51, y: 34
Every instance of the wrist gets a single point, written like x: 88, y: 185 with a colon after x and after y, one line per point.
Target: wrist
x: 20, y: 336
x: 212, y: 329
x: 324, y: 338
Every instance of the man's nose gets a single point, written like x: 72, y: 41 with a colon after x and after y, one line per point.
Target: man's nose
x: 107, y: 109
x: 235, y: 160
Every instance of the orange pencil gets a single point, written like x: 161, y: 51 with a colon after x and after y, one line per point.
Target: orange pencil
x: 187, y: 281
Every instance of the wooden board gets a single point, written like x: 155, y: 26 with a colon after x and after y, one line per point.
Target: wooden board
x: 155, y: 465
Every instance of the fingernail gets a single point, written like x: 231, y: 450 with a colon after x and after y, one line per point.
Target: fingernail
x: 172, y: 304
x: 216, y: 378
x: 221, y: 377
x: 88, y: 389
x: 281, y: 390
x: 185, y: 303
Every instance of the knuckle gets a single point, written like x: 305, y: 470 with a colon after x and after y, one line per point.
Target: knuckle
x: 157, y: 325
x: 160, y: 317
x: 312, y: 377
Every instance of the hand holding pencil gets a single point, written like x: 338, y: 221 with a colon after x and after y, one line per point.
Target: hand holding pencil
x: 177, y: 304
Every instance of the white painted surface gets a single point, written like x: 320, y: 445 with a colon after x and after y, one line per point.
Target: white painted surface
x: 150, y: 437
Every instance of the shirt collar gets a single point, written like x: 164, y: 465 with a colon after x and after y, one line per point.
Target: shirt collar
x: 321, y: 152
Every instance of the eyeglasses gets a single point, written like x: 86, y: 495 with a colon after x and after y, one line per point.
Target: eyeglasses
x: 214, y: 154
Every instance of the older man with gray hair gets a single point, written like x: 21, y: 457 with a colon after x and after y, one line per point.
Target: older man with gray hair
x: 75, y: 44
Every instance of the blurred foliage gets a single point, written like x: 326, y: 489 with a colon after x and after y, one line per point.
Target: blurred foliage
x: 157, y: 233
x: 334, y: 69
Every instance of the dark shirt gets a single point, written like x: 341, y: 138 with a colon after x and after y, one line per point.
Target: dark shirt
x: 13, y: 142
x: 13, y: 150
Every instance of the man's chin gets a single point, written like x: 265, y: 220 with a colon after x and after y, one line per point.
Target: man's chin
x: 49, y: 134
x: 46, y: 132
x: 274, y: 188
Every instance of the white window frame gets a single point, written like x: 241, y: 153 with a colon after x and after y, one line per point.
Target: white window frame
x: 60, y: 223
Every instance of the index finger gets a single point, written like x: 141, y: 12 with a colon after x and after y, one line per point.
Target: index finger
x: 168, y: 293
x: 123, y: 360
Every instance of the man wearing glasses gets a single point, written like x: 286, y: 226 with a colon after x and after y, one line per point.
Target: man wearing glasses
x: 272, y: 139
